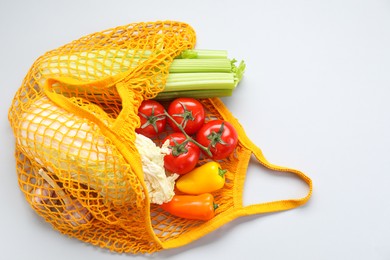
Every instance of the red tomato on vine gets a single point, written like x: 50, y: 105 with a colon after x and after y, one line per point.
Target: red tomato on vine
x: 152, y: 117
x: 219, y: 136
x: 187, y: 112
x: 183, y: 154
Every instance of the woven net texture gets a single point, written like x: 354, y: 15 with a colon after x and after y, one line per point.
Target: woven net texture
x: 79, y: 168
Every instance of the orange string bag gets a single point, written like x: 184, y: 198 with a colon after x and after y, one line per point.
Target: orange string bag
x: 77, y: 160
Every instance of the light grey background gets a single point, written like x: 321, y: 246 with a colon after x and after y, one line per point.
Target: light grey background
x: 315, y: 97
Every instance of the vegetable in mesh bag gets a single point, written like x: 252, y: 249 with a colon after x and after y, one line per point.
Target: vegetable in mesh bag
x: 71, y: 147
x: 194, y: 73
x: 73, y: 212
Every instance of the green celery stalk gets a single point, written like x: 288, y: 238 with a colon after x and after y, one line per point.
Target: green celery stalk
x: 199, y: 81
x: 200, y: 65
x: 208, y: 93
x: 194, y: 73
x: 203, y: 54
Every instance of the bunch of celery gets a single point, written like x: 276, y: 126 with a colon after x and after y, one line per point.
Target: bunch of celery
x: 194, y: 73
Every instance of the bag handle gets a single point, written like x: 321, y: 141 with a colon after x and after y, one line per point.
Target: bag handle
x: 265, y: 207
x: 278, y: 205
x: 65, y: 103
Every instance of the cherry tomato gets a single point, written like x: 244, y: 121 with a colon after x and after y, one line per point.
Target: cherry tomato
x: 153, y: 119
x: 220, y: 136
x: 187, y: 112
x: 183, y: 155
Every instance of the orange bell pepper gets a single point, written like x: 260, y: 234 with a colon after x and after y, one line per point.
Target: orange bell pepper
x: 204, y: 179
x: 200, y: 207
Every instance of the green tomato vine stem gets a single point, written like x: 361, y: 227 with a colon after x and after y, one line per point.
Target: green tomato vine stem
x: 189, y: 138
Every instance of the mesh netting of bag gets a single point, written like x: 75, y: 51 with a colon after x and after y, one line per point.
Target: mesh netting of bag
x: 74, y: 119
x: 72, y: 173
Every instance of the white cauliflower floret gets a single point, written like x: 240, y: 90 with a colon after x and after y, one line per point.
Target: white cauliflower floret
x: 159, y: 185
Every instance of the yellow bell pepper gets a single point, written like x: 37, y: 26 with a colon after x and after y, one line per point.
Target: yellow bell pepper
x: 204, y: 179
